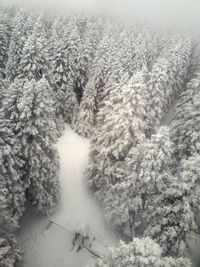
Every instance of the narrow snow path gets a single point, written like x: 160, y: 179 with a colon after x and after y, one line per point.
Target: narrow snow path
x: 51, y: 248
x: 169, y: 115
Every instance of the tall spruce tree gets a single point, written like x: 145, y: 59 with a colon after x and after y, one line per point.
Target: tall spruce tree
x: 38, y: 135
x: 168, y: 77
x: 171, y: 220
x: 188, y: 171
x: 186, y: 123
x: 66, y: 101
x: 23, y: 25
x: 10, y: 255
x: 83, y: 122
x: 5, y: 33
x: 87, y: 50
x: 10, y: 171
x: 125, y: 126
x: 34, y: 63
x: 134, y: 183
x: 73, y: 43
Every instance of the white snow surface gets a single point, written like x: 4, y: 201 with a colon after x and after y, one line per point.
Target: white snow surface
x: 51, y: 248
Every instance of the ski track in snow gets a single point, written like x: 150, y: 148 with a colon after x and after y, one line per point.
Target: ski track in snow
x: 51, y: 248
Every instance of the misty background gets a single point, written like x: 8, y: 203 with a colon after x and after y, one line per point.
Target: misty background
x: 182, y: 13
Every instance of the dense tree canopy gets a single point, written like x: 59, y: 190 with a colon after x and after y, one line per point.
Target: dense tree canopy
x: 113, y: 81
x: 140, y: 252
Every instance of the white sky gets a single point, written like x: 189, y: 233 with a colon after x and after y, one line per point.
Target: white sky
x: 182, y: 12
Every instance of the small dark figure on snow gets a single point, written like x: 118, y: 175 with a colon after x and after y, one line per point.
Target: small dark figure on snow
x: 76, y: 237
x: 81, y: 238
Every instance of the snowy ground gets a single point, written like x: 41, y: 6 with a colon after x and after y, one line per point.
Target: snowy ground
x: 168, y: 117
x: 51, y: 248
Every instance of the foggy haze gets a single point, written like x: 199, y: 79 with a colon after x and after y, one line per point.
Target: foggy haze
x: 184, y: 13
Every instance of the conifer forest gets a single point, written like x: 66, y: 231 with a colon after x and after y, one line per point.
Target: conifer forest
x: 129, y: 94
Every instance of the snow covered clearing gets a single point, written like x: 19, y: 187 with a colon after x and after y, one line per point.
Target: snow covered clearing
x: 51, y: 248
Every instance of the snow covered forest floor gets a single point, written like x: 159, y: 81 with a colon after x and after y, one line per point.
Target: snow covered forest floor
x: 52, y: 247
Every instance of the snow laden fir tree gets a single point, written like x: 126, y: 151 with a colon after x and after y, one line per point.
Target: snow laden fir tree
x: 139, y: 252
x: 38, y: 133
